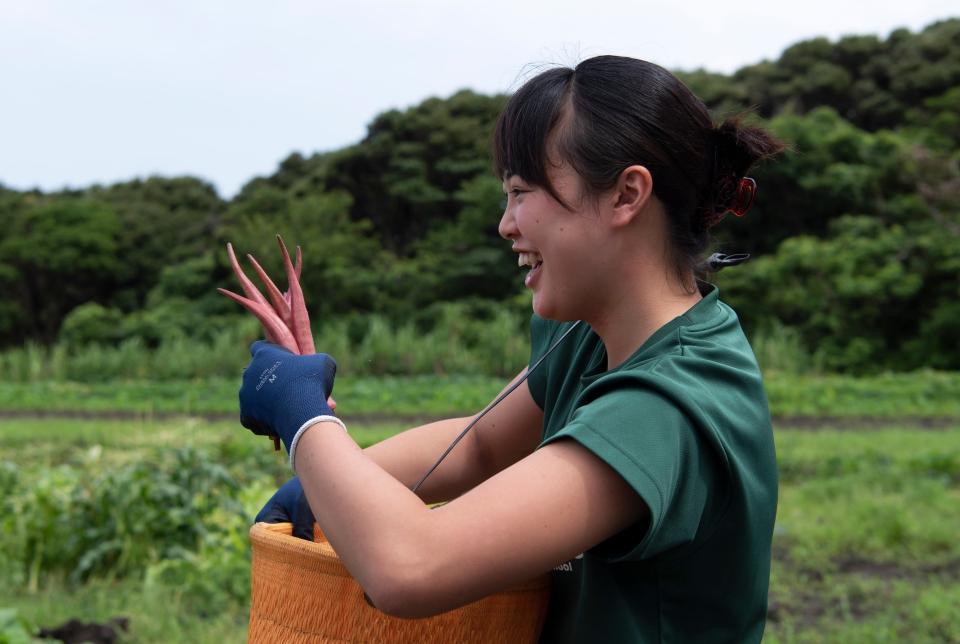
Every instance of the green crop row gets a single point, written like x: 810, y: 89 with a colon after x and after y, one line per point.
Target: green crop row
x: 387, y: 395
x: 923, y: 394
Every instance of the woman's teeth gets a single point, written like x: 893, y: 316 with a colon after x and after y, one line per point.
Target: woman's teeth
x: 529, y: 259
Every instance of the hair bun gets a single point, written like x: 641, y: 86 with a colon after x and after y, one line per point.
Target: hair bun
x: 736, y: 147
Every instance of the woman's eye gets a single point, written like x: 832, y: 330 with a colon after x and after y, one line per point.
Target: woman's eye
x: 507, y: 196
x: 513, y: 193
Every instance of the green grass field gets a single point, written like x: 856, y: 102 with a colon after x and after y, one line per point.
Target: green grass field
x: 390, y: 396
x: 919, y: 395
x: 866, y: 546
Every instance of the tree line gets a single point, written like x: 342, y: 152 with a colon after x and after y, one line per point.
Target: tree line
x: 855, y: 232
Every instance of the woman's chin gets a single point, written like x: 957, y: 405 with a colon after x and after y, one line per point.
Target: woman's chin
x: 539, y: 308
x: 549, y: 311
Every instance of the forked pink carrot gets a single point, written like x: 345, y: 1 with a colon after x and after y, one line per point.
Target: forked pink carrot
x: 297, y: 268
x: 300, y: 318
x: 271, y: 322
x: 280, y: 304
x: 248, y: 287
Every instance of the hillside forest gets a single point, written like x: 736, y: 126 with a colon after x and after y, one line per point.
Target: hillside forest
x: 855, y: 234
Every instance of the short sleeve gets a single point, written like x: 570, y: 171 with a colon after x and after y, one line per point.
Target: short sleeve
x: 541, y: 337
x: 653, y: 445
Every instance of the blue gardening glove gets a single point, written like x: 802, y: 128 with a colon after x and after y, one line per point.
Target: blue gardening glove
x: 281, y: 391
x: 289, y: 505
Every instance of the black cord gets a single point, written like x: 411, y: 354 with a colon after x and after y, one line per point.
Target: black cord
x: 492, y: 405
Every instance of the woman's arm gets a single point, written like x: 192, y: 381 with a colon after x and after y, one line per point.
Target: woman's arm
x: 506, y: 434
x: 413, y: 561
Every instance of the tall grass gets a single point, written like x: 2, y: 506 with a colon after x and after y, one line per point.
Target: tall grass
x: 780, y: 349
x: 458, y: 342
x: 178, y: 358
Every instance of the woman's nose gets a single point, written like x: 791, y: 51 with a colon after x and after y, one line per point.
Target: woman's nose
x: 508, y: 225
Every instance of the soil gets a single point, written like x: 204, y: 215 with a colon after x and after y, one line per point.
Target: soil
x: 75, y: 631
x: 812, y: 605
x: 890, y: 570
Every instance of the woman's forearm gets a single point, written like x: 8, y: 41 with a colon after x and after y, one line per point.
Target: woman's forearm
x: 377, y: 526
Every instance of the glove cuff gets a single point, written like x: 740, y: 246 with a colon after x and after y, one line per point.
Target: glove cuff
x: 304, y: 427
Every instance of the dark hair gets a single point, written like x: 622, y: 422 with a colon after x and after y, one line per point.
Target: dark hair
x: 612, y: 112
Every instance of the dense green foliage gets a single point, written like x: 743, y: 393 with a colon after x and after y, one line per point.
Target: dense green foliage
x: 873, y: 83
x: 856, y: 231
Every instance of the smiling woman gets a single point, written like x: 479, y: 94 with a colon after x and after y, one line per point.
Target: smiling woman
x: 637, y: 463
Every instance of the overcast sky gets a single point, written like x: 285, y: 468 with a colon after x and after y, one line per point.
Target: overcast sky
x: 102, y: 91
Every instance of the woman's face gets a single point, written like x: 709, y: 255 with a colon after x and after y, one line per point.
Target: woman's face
x: 563, y: 248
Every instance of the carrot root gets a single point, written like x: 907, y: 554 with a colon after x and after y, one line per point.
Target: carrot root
x: 248, y: 286
x: 280, y: 305
x: 271, y: 322
x: 299, y: 316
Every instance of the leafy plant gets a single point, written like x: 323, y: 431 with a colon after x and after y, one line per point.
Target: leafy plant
x: 14, y: 629
x: 119, y: 522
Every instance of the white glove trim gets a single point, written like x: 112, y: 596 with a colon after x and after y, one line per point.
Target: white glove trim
x: 304, y: 427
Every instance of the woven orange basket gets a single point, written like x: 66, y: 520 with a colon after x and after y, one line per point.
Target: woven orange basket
x: 303, y: 593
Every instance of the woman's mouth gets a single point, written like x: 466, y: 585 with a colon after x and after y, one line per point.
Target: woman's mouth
x: 534, y: 261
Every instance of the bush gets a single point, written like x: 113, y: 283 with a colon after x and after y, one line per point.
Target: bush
x: 213, y: 577
x: 91, y: 323
x: 872, y: 297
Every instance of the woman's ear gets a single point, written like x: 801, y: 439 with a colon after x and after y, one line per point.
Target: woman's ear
x: 632, y: 194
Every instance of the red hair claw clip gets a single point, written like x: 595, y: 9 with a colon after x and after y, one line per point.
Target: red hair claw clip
x: 743, y: 200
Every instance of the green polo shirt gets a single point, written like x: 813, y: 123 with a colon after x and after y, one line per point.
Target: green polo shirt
x: 685, y: 422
